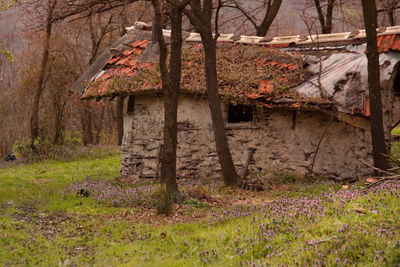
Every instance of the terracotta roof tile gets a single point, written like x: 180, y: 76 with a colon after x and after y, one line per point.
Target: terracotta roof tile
x: 388, y: 42
x: 266, y: 87
x: 141, y: 44
x: 113, y: 60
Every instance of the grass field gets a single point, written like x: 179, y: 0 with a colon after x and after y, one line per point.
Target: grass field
x: 396, y: 131
x: 43, y: 221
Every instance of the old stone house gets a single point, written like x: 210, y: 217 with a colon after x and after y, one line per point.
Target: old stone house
x: 285, y: 98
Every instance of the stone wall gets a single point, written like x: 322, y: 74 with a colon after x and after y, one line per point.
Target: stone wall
x: 284, y: 141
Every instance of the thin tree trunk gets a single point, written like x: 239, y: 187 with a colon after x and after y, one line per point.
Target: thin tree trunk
x: 86, y: 123
x: 171, y: 85
x: 320, y: 15
x: 329, y: 16
x: 326, y: 23
x: 59, y: 120
x: 42, y: 73
x: 120, y: 118
x: 269, y: 17
x: 171, y: 99
x: 201, y: 16
x: 99, y: 125
x: 214, y: 101
x: 377, y: 133
x: 391, y: 17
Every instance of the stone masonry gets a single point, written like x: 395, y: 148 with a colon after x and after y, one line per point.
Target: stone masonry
x: 283, y: 141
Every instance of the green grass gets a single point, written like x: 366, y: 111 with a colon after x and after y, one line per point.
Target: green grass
x: 43, y: 182
x: 396, y: 131
x: 79, y: 231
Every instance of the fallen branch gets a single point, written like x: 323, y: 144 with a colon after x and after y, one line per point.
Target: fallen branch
x: 360, y: 210
x: 375, y: 168
x: 391, y: 175
x: 383, y: 179
x: 316, y: 242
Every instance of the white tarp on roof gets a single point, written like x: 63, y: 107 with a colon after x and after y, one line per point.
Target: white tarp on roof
x: 344, y: 76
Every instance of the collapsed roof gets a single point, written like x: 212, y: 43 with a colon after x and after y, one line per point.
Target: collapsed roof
x: 329, y: 75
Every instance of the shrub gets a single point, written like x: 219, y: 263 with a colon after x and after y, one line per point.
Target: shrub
x: 72, y: 148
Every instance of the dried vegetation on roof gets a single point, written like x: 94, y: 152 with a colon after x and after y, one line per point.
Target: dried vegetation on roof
x: 243, y: 72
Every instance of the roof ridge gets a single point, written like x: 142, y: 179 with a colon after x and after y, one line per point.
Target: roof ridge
x: 284, y: 41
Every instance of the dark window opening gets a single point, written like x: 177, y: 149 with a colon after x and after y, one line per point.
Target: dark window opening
x: 240, y: 113
x: 131, y: 105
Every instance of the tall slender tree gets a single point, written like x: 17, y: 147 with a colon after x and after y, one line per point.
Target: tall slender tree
x: 200, y: 14
x: 43, y: 66
x: 325, y: 18
x: 170, y: 84
x: 379, y: 146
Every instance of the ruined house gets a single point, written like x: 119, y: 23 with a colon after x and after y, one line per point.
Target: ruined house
x: 300, y: 102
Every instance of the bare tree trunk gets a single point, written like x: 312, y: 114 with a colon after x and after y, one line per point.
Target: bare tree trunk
x: 120, y: 118
x: 390, y: 14
x: 329, y: 16
x: 171, y: 99
x: 171, y: 84
x: 59, y: 125
x: 326, y: 23
x: 214, y: 101
x: 320, y: 15
x: 377, y: 133
x: 43, y: 67
x: 201, y: 20
x: 86, y: 123
x: 269, y: 17
x: 99, y: 125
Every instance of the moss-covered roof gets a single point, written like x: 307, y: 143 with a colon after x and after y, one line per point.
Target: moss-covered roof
x: 242, y: 71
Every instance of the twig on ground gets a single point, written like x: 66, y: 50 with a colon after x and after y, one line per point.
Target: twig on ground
x: 375, y: 168
x: 383, y: 179
x: 392, y: 175
x: 316, y: 242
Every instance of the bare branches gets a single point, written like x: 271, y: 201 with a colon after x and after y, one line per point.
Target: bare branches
x: 310, y: 24
x: 76, y: 7
x: 391, y: 173
x: 250, y: 18
x: 271, y: 9
x: 96, y: 41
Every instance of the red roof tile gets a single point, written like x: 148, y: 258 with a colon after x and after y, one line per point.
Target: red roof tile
x: 266, y: 87
x: 141, y: 44
x: 113, y: 60
x: 388, y: 42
